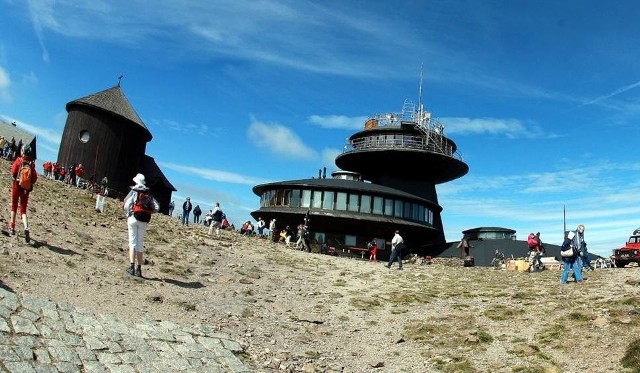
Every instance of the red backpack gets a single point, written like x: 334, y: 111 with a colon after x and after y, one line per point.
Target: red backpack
x: 144, y: 206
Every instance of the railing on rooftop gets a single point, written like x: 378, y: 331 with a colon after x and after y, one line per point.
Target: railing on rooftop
x: 432, y: 138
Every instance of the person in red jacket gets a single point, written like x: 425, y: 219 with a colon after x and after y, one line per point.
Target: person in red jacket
x: 20, y: 191
x: 79, y: 175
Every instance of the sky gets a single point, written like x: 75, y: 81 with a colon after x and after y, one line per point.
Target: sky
x: 542, y: 97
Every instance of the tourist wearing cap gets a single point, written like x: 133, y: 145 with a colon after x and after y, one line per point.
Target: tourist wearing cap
x: 137, y: 223
x: 186, y: 209
x: 20, y: 190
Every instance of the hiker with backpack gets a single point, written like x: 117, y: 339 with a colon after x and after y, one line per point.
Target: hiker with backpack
x: 196, y: 214
x: 138, y: 205
x: 216, y: 222
x: 24, y: 175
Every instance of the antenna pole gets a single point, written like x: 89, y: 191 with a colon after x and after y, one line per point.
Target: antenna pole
x: 564, y: 221
x: 420, y: 93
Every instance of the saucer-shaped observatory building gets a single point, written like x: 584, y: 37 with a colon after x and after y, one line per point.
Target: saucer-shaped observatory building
x: 387, y: 182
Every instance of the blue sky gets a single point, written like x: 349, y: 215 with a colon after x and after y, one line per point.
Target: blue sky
x: 542, y: 97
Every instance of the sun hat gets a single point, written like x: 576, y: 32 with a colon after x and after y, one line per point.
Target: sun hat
x: 139, y: 179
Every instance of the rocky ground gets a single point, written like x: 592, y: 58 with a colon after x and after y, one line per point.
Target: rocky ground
x: 298, y: 312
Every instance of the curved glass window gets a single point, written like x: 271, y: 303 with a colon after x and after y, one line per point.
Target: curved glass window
x: 316, y: 201
x: 397, y: 212
x: 306, y: 198
x: 354, y: 203
x: 295, y: 198
x: 365, y: 204
x: 388, y: 207
x: 327, y: 201
x: 377, y: 205
x: 341, y: 201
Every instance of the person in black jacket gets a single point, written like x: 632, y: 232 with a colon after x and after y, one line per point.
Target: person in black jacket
x: 186, y: 210
x: 196, y: 214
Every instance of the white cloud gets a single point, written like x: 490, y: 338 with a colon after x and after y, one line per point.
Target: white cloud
x: 511, y: 128
x: 613, y: 94
x: 191, y: 128
x: 5, y: 83
x: 214, y: 175
x: 338, y: 122
x: 279, y: 140
x: 329, y: 159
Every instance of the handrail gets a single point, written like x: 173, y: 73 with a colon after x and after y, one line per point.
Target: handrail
x: 377, y: 142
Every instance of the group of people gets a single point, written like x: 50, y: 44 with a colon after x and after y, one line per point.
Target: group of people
x: 10, y: 149
x: 215, y: 219
x: 72, y: 175
x: 574, y: 253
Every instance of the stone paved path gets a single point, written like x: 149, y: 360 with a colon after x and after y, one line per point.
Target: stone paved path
x: 42, y: 336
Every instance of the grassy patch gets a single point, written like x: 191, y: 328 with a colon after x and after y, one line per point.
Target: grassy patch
x: 364, y: 303
x: 631, y: 358
x: 502, y: 313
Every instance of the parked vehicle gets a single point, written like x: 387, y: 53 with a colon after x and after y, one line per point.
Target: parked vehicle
x: 630, y: 252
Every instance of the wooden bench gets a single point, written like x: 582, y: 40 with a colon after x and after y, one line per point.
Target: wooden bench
x: 357, y: 250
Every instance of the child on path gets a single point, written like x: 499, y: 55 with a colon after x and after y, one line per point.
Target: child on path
x: 373, y: 250
x: 20, y: 191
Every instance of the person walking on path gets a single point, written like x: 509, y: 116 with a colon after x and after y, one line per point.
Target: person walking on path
x: 572, y: 262
x: 172, y: 206
x: 186, y: 209
x: 216, y: 221
x: 397, y: 244
x: 24, y: 175
x: 196, y: 214
x: 138, y: 205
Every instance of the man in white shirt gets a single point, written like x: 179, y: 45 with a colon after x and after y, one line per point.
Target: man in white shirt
x: 397, y: 244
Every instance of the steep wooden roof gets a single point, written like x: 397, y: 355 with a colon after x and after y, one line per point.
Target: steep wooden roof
x: 114, y: 101
x: 154, y: 174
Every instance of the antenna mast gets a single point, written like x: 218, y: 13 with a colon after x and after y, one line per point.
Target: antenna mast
x: 420, y: 95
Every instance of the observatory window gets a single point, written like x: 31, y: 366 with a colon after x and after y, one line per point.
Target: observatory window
x: 316, y: 201
x: 407, y: 210
x: 377, y: 205
x: 365, y: 204
x: 84, y: 136
x: 280, y: 198
x: 349, y: 240
x: 295, y: 198
x: 419, y: 213
x: 306, y: 198
x: 341, y: 201
x: 397, y: 212
x: 388, y: 207
x: 353, y: 202
x: 327, y: 202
